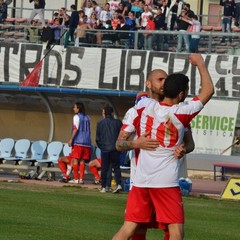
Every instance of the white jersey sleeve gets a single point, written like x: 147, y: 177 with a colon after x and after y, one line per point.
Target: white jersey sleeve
x: 76, y: 122
x: 128, y: 120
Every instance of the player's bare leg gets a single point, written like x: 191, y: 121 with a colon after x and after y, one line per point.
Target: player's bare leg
x: 126, y: 231
x: 176, y: 231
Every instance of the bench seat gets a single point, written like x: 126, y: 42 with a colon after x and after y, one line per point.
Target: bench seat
x: 223, y: 167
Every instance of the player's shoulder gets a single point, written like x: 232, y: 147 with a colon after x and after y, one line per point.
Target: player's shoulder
x: 144, y: 102
x: 76, y: 116
x: 189, y: 102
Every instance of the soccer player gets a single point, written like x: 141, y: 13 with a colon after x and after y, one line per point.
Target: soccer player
x: 156, y: 182
x: 155, y: 81
x: 80, y: 142
x: 95, y: 166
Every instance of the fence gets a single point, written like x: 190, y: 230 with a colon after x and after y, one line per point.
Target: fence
x: 15, y: 30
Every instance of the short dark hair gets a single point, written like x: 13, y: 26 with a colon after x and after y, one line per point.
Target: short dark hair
x: 191, y: 15
x: 108, y: 110
x: 195, y: 17
x: 121, y: 18
x: 174, y: 84
x: 73, y: 6
x: 81, y: 107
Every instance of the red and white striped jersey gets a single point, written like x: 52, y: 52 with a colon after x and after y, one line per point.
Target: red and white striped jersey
x: 167, y: 124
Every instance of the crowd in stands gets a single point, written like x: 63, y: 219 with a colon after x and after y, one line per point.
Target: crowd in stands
x: 4, y: 9
x: 117, y: 22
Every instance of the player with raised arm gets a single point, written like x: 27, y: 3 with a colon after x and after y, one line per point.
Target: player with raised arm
x: 156, y: 186
x: 126, y: 141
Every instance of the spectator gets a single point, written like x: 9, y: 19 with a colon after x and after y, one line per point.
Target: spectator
x: 144, y: 16
x: 73, y: 23
x: 195, y: 38
x: 81, y: 15
x: 57, y: 31
x: 183, y: 26
x: 189, y: 12
x: 159, y: 21
x: 137, y: 8
x: 87, y: 8
x: 127, y: 3
x: 93, y: 21
x: 130, y: 21
x: 141, y: 21
x: 148, y: 37
x: 149, y: 3
x: 113, y: 5
x: 39, y: 6
x: 115, y: 21
x: 55, y: 15
x: 47, y: 35
x: 81, y: 35
x: 3, y: 10
x: 63, y: 17
x: 105, y: 35
x: 106, y: 136
x: 33, y: 32
x: 122, y: 11
x: 105, y: 15
x: 175, y: 8
x: 97, y: 9
x: 194, y: 27
x: 124, y: 35
x: 237, y: 17
x: 229, y: 12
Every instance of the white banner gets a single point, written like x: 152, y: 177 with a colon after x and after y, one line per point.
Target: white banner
x: 112, y: 69
x: 213, y: 128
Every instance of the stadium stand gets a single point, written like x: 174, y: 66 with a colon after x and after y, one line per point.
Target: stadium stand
x: 15, y: 30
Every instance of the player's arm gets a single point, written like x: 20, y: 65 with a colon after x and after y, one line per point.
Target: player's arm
x: 185, y: 148
x: 124, y: 143
x: 74, y: 132
x: 76, y: 122
x: 188, y: 142
x: 207, y: 88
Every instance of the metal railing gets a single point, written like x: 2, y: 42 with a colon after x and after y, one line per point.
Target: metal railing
x: 210, y: 41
